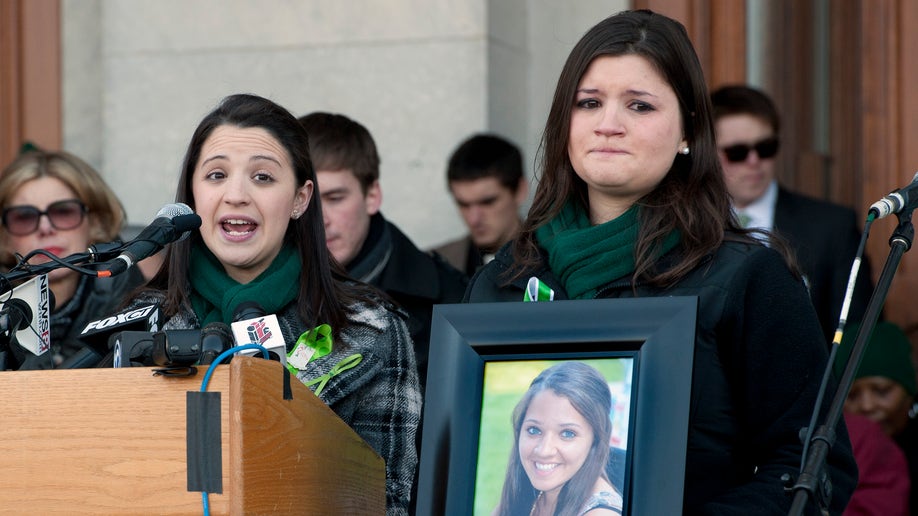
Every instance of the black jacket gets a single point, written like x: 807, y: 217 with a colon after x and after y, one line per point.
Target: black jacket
x: 414, y: 279
x: 759, y: 359
x: 825, y: 238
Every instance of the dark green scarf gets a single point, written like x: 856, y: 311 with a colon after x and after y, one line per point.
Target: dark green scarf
x: 586, y: 257
x: 214, y: 295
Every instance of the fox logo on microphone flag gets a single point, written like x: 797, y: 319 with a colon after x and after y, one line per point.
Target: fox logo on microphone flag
x: 122, y: 318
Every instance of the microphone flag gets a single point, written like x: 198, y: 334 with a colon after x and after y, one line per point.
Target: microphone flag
x: 37, y: 338
x: 264, y: 331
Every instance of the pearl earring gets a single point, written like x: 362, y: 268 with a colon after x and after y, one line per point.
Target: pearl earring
x: 685, y: 150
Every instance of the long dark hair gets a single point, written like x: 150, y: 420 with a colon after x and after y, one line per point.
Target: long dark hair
x: 322, y: 296
x: 691, y: 199
x: 588, y: 393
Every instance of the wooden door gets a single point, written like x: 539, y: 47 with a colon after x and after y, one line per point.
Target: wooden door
x: 863, y: 142
x: 30, y: 77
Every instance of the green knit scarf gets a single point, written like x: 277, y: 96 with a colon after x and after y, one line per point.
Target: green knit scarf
x: 586, y: 257
x: 214, y: 295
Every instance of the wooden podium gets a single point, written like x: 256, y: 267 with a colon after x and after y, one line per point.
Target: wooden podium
x: 113, y: 441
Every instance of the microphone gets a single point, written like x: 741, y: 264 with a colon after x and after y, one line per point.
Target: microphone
x: 216, y: 337
x: 897, y: 200
x: 176, y: 348
x: 30, y: 306
x: 180, y: 348
x: 251, y: 326
x: 173, y: 222
x: 101, y: 335
x: 247, y: 310
x: 130, y: 348
x: 14, y: 316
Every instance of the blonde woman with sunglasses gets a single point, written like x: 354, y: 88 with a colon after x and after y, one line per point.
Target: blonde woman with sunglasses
x: 56, y: 202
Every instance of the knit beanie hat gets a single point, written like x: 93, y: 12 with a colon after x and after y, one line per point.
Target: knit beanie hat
x: 888, y: 354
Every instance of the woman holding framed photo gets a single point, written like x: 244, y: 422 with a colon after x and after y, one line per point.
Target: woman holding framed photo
x: 632, y: 202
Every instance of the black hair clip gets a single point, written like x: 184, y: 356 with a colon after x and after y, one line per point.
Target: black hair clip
x: 176, y: 371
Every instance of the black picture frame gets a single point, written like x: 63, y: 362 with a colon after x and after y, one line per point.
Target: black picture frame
x: 657, y: 333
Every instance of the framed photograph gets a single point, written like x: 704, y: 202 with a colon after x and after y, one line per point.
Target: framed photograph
x: 483, y: 361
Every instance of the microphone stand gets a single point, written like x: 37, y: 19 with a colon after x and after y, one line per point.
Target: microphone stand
x: 813, y: 482
x: 96, y: 253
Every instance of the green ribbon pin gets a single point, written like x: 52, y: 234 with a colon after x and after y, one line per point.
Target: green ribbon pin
x: 536, y: 290
x: 315, y: 343
x: 342, y: 366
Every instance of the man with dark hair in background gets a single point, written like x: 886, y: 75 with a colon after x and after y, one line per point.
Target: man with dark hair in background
x: 485, y: 177
x: 823, y: 235
x: 371, y: 248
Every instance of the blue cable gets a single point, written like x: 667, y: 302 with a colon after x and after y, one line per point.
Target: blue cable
x: 223, y: 356
x: 213, y: 365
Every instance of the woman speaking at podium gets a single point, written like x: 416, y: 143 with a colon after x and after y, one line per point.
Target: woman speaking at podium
x: 247, y: 173
x: 632, y: 203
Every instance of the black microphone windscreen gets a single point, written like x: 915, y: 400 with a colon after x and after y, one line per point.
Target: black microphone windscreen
x: 216, y: 337
x: 218, y: 328
x: 184, y: 224
x: 248, y: 310
x: 20, y: 314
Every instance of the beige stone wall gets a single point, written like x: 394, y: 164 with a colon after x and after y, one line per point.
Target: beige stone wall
x: 420, y: 74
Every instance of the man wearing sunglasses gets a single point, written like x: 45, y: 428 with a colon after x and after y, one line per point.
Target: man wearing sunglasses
x: 823, y: 235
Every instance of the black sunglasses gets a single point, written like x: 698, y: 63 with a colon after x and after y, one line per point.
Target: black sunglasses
x: 24, y: 220
x: 766, y: 148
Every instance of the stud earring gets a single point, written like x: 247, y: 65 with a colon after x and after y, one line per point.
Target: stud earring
x: 295, y: 215
x: 684, y: 150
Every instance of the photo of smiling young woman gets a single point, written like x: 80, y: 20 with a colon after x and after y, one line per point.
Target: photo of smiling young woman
x: 562, y: 437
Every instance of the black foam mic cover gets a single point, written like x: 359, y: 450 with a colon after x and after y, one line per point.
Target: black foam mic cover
x: 248, y: 310
x: 216, y: 337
